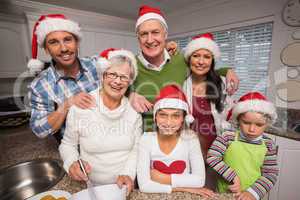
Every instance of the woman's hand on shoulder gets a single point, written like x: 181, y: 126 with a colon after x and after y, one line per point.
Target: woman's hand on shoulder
x: 76, y: 173
x: 127, y: 181
x: 232, y: 82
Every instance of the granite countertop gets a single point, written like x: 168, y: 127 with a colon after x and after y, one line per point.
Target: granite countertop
x: 287, y: 133
x: 20, y: 144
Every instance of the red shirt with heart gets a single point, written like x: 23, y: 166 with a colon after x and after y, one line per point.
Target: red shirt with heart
x: 176, y: 167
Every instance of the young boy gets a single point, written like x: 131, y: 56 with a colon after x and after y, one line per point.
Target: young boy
x: 246, y: 159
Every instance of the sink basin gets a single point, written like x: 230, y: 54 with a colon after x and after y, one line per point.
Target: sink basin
x: 26, y: 179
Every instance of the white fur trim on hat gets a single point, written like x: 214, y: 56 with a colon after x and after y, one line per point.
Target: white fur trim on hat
x: 189, y: 119
x: 35, y: 66
x: 202, y: 43
x: 260, y: 106
x: 149, y: 16
x: 170, y: 103
x: 56, y: 24
x: 101, y: 65
x: 128, y: 54
x: 173, y: 103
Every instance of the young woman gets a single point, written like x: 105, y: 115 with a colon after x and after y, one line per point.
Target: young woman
x: 206, y: 90
x: 170, y: 158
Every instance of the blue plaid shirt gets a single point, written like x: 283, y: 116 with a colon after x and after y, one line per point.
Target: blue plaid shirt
x: 51, y: 88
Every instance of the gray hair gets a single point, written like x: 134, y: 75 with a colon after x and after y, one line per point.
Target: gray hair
x: 119, y: 60
x: 164, y: 28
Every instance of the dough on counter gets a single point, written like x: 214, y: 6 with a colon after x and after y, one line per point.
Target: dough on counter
x: 50, y: 197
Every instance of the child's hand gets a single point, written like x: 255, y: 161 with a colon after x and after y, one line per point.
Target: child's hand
x: 236, y: 186
x: 160, y: 177
x: 244, y: 196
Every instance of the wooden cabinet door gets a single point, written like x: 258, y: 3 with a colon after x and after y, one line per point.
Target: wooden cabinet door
x: 14, y: 49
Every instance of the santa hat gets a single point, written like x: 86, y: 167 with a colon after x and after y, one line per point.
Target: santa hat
x: 103, y: 61
x: 45, y: 25
x: 255, y: 102
x: 204, y: 41
x: 147, y: 12
x: 171, y: 96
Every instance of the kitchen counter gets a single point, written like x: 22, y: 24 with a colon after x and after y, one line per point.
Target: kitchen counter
x: 290, y: 134
x: 20, y: 144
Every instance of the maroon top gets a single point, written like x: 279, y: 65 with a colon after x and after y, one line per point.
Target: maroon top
x: 204, y: 122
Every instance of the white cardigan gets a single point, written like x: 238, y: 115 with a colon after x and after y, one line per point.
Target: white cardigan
x: 221, y: 123
x: 108, y: 140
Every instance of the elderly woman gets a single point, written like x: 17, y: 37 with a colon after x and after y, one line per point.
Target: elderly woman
x: 107, y: 135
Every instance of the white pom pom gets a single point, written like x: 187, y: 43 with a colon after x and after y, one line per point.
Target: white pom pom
x: 189, y: 119
x: 35, y: 66
x: 101, y: 65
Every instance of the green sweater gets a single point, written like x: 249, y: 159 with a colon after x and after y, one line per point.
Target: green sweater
x: 149, y: 82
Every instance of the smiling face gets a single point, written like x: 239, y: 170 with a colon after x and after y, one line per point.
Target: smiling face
x: 152, y: 39
x: 116, y: 80
x: 252, y: 124
x: 62, y: 46
x: 169, y: 121
x: 201, y: 62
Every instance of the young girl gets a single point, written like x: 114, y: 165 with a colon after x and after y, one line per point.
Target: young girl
x: 247, y: 158
x: 171, y: 159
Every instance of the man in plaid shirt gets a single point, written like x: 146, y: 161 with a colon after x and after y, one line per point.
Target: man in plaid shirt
x: 65, y: 82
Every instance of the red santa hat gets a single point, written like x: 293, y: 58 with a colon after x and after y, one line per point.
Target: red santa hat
x: 253, y: 102
x: 147, y: 12
x: 171, y: 96
x: 45, y: 25
x: 202, y: 41
x: 103, y: 61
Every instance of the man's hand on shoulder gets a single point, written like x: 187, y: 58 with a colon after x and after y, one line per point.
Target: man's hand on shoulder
x: 139, y: 102
x: 82, y: 100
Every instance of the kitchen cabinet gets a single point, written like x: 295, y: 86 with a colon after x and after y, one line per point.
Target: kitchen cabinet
x: 95, y: 41
x: 14, y: 48
x: 287, y: 186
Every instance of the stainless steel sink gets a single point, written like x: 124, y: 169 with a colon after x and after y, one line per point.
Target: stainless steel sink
x: 26, y: 179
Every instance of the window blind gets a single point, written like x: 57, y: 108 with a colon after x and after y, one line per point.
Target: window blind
x: 247, y: 49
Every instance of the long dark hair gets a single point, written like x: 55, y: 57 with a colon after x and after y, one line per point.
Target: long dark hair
x: 215, y: 87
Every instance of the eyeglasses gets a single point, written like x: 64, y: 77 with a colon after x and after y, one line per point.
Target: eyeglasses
x: 114, y: 76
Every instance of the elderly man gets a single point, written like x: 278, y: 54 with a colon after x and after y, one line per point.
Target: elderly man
x: 65, y: 82
x: 156, y: 67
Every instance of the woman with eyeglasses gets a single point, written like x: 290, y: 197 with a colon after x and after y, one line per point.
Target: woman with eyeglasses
x: 108, y: 134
